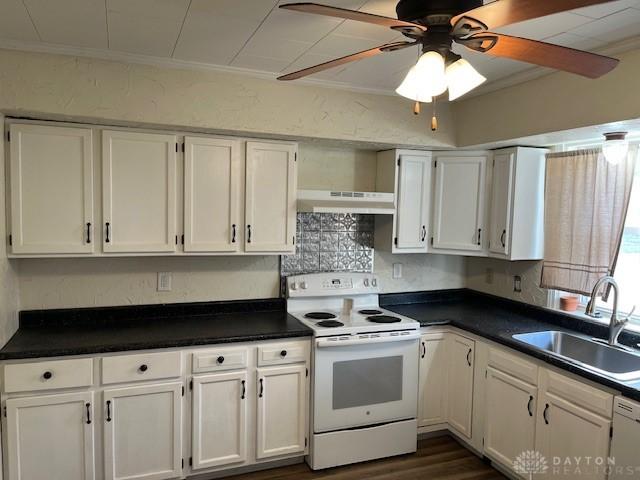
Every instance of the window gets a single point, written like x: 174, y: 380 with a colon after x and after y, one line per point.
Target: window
x: 627, y: 272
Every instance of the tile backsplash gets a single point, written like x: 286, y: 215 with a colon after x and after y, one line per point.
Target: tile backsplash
x: 328, y: 242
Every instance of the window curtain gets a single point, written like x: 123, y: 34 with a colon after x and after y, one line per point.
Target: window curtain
x: 586, y: 201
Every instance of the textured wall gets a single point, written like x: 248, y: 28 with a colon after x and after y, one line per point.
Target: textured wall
x: 503, y: 273
x: 65, y: 86
x: 8, y: 274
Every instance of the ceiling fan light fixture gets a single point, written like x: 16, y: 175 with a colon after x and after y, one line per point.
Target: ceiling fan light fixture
x: 462, y: 78
x: 426, y: 79
x: 615, y: 147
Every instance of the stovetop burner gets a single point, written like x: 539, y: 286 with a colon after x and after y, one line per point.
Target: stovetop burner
x: 370, y: 312
x: 319, y: 315
x: 330, y: 323
x: 383, y: 319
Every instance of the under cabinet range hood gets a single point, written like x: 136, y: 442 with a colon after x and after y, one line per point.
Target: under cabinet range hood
x: 326, y: 201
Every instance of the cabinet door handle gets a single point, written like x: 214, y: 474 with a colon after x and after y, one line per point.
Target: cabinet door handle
x: 88, y: 405
x: 529, y: 405
x: 88, y: 232
x: 424, y: 233
x: 502, y: 238
x: 108, y: 236
x: 244, y: 390
x: 233, y: 233
x: 261, y: 388
x: 545, y: 414
x: 248, y: 233
x: 469, y: 356
x: 108, y: 410
x: 424, y: 349
x: 479, y: 236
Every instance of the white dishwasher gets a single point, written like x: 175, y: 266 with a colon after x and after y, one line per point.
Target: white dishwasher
x: 625, y: 446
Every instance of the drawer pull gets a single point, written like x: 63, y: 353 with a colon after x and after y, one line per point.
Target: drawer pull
x: 108, y: 410
x: 143, y: 368
x: 220, y: 360
x: 283, y: 353
x: 47, y: 375
x: 88, y: 405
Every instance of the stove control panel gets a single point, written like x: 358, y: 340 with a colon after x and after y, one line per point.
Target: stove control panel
x: 332, y: 284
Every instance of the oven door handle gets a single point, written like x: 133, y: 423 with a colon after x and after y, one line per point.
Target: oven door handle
x: 326, y: 343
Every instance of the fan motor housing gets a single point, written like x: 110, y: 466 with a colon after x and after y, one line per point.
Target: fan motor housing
x: 433, y: 11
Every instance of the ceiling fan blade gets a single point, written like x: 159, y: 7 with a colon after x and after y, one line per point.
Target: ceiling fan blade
x: 352, y: 15
x: 504, y: 12
x: 544, y: 54
x: 389, y: 47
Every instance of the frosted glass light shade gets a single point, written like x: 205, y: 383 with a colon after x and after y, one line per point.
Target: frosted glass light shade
x: 425, y: 80
x: 615, y: 151
x: 462, y: 78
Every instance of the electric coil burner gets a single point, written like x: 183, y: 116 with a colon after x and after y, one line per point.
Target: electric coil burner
x: 319, y: 315
x: 330, y: 323
x: 370, y: 312
x: 383, y: 319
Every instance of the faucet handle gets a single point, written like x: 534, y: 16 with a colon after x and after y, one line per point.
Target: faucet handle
x: 626, y: 319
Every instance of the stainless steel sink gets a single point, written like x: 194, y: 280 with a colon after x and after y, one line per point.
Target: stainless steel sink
x: 610, y: 361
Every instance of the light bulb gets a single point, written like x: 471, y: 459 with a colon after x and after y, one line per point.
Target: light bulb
x: 425, y: 80
x: 615, y: 147
x: 462, y: 78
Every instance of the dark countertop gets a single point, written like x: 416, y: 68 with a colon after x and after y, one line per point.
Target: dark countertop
x: 498, y: 319
x: 50, y: 333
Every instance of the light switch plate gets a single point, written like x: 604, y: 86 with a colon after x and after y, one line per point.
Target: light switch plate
x: 164, y: 281
x: 397, y: 270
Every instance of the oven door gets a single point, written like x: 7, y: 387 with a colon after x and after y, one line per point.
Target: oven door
x: 365, y: 382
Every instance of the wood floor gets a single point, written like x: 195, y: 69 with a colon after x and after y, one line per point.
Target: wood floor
x: 436, y: 458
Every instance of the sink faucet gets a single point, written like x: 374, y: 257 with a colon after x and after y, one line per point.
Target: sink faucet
x: 616, y: 325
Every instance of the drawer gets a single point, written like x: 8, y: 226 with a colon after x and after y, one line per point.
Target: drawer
x: 514, y: 365
x: 578, y: 393
x: 72, y: 373
x: 137, y: 368
x: 283, y: 353
x: 220, y: 359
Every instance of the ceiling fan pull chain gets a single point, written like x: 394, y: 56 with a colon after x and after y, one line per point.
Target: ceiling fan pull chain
x: 416, y: 108
x: 434, y: 119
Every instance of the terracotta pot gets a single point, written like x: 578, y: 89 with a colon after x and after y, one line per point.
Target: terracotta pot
x: 569, y: 304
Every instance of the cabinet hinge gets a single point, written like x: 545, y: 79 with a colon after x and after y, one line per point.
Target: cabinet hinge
x: 432, y: 241
x: 295, y: 157
x: 435, y: 164
x: 183, y: 390
x: 190, y: 461
x: 183, y: 463
x: 8, y: 135
x: 398, y: 162
x: 610, y: 430
x: 183, y: 148
x: 190, y: 384
x: 176, y: 148
x: 293, y: 239
x: 306, y: 372
x: 176, y: 239
x: 10, y: 240
x: 306, y: 441
x: 4, y: 410
x: 395, y: 241
x: 182, y: 239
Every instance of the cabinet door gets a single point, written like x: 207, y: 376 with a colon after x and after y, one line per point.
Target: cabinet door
x: 510, y: 417
x: 51, y: 178
x: 139, y: 192
x: 142, y: 432
x: 211, y: 194
x: 567, y: 431
x: 460, y: 383
x: 501, y: 203
x: 414, y: 179
x: 282, y: 410
x: 270, y: 197
x: 459, y: 203
x: 219, y: 419
x: 434, y: 364
x: 50, y: 436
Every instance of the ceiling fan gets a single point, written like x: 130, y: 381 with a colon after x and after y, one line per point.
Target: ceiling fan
x: 435, y: 24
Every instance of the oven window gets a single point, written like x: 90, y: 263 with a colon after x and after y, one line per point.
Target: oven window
x: 357, y: 383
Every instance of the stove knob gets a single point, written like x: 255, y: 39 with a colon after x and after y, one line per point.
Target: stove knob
x: 303, y: 285
x: 366, y: 282
x: 374, y: 282
x: 293, y: 286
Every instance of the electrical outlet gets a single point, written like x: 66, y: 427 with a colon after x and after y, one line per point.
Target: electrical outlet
x: 164, y: 281
x: 488, y: 276
x: 517, y: 283
x: 397, y: 270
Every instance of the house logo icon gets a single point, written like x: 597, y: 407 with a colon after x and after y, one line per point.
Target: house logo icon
x: 530, y: 462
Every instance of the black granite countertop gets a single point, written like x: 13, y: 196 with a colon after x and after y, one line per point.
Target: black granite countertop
x: 50, y: 333
x: 498, y: 319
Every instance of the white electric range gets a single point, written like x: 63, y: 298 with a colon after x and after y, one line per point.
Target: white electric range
x: 364, y: 369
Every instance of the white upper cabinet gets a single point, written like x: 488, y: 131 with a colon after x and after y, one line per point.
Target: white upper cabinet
x: 51, y: 183
x: 459, y: 204
x: 270, y: 204
x: 413, y: 195
x: 50, y: 437
x: 139, y: 192
x: 517, y: 204
x: 212, y: 195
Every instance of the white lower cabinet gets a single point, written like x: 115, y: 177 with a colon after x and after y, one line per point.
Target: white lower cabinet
x: 282, y: 410
x: 219, y: 428
x: 434, y: 363
x: 460, y: 384
x: 142, y: 432
x: 50, y: 437
x: 510, y: 417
